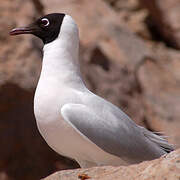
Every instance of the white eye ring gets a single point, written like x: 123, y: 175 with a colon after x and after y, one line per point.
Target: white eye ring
x: 45, y: 21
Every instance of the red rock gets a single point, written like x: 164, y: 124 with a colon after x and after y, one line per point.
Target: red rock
x: 164, y: 168
x: 165, y: 16
x: 159, y: 81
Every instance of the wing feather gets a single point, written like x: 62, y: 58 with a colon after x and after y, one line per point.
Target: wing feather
x: 115, y: 136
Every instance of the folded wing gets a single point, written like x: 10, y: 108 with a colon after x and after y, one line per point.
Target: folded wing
x: 126, y: 140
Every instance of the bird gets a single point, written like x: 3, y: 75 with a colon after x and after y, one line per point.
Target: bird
x: 75, y: 122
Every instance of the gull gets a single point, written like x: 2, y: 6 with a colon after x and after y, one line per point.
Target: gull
x: 75, y: 122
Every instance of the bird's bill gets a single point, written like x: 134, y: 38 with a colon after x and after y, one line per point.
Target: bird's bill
x: 22, y: 30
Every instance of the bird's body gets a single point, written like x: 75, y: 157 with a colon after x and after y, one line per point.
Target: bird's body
x: 60, y: 84
x: 79, y: 124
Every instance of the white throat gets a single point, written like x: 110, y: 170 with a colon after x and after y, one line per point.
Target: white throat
x: 60, y: 60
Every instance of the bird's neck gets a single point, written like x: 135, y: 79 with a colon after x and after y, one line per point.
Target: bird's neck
x: 60, y: 61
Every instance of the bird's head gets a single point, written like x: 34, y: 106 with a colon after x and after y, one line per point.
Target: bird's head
x: 47, y: 28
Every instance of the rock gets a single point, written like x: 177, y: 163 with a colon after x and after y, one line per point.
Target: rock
x: 19, y: 63
x: 123, y: 4
x: 165, y: 16
x: 159, y: 79
x: 131, y: 13
x: 163, y: 168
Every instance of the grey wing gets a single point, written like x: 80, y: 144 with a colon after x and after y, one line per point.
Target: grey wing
x: 113, y: 136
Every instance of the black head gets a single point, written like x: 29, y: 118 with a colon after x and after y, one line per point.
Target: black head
x: 46, y: 28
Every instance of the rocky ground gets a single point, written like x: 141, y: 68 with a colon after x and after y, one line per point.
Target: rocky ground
x: 165, y: 168
x: 129, y: 55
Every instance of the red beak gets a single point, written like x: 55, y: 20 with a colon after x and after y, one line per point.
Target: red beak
x: 23, y: 30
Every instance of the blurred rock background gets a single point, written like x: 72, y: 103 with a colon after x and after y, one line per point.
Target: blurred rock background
x: 129, y: 55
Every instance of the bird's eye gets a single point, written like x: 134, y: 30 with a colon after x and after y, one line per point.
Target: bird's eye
x: 45, y: 22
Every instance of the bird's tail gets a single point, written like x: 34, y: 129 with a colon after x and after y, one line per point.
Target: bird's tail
x: 159, y: 140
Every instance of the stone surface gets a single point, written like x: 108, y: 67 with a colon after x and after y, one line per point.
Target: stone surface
x: 160, y: 83
x: 119, y: 61
x: 165, y: 16
x: 19, y: 64
x: 164, y: 168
